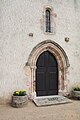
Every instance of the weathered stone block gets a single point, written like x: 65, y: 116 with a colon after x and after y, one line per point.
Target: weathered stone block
x: 19, y: 101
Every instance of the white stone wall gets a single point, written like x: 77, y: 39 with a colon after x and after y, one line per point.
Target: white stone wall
x: 18, y: 18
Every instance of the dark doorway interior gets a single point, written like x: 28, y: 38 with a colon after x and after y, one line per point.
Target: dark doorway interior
x: 46, y: 75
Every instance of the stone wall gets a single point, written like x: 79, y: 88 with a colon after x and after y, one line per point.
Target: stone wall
x: 20, y: 19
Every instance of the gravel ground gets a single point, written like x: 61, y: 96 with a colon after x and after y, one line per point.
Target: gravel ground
x: 70, y: 111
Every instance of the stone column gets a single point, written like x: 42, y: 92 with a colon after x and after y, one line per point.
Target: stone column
x: 33, y: 71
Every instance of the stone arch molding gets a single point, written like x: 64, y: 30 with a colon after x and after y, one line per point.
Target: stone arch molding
x: 62, y: 60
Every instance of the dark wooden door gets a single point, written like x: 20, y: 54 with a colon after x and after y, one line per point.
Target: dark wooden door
x: 46, y: 75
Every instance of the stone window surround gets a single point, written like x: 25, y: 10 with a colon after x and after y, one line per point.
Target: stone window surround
x: 53, y: 24
x: 63, y: 64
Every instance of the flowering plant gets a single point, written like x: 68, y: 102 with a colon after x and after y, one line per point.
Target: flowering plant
x: 76, y: 87
x: 19, y: 93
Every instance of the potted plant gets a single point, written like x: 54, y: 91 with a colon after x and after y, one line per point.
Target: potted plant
x: 19, y: 98
x: 76, y: 90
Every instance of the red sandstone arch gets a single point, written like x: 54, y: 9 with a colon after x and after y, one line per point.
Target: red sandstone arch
x: 60, y: 55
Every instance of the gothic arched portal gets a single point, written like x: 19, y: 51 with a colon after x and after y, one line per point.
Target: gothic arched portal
x: 62, y: 62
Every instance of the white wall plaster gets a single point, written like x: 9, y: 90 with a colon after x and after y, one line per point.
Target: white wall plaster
x: 18, y: 18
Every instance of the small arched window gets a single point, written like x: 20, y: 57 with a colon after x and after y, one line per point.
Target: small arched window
x: 48, y: 20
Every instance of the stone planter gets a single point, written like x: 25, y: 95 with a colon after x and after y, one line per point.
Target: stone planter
x: 19, y: 101
x: 76, y: 94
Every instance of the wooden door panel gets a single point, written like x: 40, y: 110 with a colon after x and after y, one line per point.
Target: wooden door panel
x: 41, y: 60
x: 41, y: 82
x: 41, y: 93
x: 51, y: 61
x: 52, y: 92
x: 52, y: 69
x: 46, y: 75
x: 41, y: 69
x: 52, y: 81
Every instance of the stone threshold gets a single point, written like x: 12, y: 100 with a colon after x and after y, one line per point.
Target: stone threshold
x: 51, y: 100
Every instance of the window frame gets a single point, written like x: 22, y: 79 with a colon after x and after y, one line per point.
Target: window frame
x: 53, y: 24
x: 48, y: 20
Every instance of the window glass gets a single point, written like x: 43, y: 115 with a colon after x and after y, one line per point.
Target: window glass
x: 48, y: 21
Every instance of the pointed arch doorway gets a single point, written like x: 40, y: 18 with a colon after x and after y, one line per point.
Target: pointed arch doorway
x: 46, y: 75
x: 57, y: 54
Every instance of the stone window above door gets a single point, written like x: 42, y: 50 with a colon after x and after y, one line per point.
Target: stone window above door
x: 48, y: 21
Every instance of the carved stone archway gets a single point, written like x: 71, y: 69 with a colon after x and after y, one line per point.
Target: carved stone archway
x: 62, y: 60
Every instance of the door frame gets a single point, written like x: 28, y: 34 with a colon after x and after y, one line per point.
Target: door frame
x: 62, y: 60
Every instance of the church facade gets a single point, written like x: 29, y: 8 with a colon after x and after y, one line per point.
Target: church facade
x: 39, y: 47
